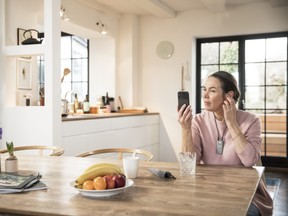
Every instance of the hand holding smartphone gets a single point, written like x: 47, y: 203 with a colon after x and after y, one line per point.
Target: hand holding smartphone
x: 183, y: 98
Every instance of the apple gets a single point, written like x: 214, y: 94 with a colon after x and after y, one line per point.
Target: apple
x: 120, y: 181
x: 110, y: 181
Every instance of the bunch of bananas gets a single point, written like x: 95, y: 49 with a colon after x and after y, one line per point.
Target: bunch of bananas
x: 100, y: 169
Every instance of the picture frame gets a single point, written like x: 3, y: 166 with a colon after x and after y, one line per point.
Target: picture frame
x: 20, y: 36
x: 24, y: 78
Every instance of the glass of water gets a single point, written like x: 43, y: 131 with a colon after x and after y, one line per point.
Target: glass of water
x: 187, y: 161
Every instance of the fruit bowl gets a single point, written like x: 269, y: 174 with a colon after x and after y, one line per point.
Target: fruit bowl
x: 102, y: 193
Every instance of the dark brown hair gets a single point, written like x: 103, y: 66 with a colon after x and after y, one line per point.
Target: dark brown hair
x: 228, y: 83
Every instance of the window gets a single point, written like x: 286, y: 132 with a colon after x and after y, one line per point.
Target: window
x: 75, y: 56
x: 259, y: 63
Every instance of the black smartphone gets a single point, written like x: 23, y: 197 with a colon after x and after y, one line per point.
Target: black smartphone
x: 183, y: 98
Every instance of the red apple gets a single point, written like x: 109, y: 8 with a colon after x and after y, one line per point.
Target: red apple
x: 120, y: 181
x: 110, y: 181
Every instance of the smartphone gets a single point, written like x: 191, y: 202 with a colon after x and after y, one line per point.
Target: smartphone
x: 183, y: 98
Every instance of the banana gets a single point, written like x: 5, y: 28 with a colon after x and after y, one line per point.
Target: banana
x: 102, y: 164
x: 100, y: 170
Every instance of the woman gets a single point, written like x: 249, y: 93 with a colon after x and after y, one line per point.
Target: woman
x: 224, y: 135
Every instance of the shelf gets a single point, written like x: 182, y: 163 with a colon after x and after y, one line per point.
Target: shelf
x: 23, y: 50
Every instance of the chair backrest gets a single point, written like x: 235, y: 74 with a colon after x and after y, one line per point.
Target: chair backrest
x: 49, y: 150
x: 144, y: 155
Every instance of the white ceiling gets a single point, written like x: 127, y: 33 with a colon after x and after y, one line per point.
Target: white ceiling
x: 168, y: 8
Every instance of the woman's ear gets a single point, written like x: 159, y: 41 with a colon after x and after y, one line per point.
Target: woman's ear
x: 230, y: 94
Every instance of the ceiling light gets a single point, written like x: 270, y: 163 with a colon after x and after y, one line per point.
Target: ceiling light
x: 102, y: 28
x: 63, y: 14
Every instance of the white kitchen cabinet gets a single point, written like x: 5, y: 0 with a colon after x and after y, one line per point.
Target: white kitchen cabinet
x: 140, y: 131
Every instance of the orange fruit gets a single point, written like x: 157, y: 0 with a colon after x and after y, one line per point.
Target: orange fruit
x: 88, y: 185
x: 99, y: 183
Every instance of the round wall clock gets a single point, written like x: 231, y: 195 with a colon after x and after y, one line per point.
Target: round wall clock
x: 165, y: 49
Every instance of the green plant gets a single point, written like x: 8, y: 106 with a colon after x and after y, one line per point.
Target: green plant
x: 10, y: 148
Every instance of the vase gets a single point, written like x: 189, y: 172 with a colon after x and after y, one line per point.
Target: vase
x: 11, y: 165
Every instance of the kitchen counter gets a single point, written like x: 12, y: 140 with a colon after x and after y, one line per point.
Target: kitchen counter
x: 86, y: 132
x: 75, y: 117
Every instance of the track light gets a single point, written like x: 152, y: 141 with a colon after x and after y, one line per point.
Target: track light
x: 63, y: 14
x: 102, y: 28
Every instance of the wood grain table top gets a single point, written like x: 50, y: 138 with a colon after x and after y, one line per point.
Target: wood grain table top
x: 214, y: 190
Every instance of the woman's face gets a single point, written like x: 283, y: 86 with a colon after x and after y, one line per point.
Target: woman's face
x: 212, y: 94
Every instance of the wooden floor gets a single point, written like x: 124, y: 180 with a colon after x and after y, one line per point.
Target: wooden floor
x: 281, y: 200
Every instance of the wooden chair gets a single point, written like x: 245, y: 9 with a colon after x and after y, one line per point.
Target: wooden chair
x: 49, y: 150
x: 110, y: 152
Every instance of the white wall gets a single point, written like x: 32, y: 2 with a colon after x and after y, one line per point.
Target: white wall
x: 102, y: 68
x: 161, y: 78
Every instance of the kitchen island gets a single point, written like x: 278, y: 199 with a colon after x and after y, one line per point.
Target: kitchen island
x: 85, y: 132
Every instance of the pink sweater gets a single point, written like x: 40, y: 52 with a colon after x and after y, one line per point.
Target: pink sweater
x: 205, y: 135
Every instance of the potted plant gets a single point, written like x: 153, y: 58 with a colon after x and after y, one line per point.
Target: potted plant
x: 11, y: 163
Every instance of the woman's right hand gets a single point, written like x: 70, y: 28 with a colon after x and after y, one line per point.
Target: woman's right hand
x: 185, y: 117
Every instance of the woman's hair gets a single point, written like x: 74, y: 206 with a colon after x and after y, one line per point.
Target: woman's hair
x: 228, y: 83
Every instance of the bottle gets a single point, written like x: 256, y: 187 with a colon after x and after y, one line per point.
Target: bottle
x: 76, y: 103
x: 107, y: 104
x: 112, y: 106
x: 107, y: 101
x: 86, y: 105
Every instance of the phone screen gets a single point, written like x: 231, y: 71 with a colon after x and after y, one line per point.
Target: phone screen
x: 183, y: 98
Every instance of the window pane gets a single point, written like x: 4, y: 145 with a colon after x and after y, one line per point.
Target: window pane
x: 276, y: 73
x: 231, y: 68
x: 66, y: 90
x: 207, y: 70
x: 79, y: 70
x: 275, y: 137
x: 276, y: 49
x: 254, y: 74
x: 79, y: 46
x: 276, y: 98
x: 254, y: 98
x: 255, y: 50
x: 65, y: 47
x: 209, y: 53
x: 81, y: 89
x: 229, y: 52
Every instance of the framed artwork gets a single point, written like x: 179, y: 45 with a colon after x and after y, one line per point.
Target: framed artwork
x: 20, y: 36
x: 24, y: 73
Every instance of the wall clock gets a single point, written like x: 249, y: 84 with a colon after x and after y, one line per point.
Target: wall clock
x: 165, y: 49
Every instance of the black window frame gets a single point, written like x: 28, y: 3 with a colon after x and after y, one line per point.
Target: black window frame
x: 271, y: 161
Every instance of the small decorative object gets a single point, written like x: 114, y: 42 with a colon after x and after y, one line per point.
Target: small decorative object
x: 11, y: 163
x: 24, y: 76
x: 42, y: 96
x: 29, y: 39
x: 28, y: 97
x: 165, y: 49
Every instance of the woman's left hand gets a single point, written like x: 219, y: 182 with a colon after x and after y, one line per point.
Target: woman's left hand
x: 229, y: 108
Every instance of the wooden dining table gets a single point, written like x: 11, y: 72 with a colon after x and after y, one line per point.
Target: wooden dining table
x: 214, y: 190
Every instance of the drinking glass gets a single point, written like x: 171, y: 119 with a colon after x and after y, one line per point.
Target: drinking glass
x: 187, y: 161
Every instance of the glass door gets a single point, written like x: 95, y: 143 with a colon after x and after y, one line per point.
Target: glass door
x: 266, y: 91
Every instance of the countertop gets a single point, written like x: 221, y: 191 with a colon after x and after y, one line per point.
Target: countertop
x: 76, y: 117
